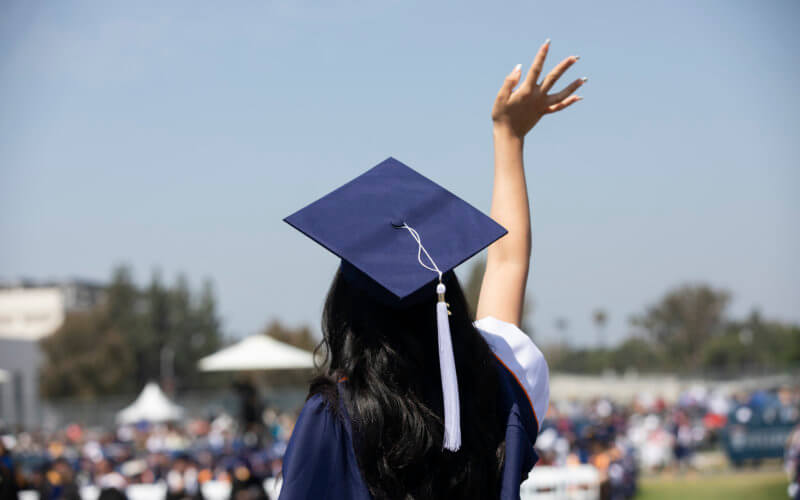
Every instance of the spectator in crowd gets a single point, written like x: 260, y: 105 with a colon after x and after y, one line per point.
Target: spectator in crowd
x: 792, y: 461
x: 249, y: 405
x: 59, y: 482
x: 246, y: 485
x: 182, y: 479
x: 8, y: 477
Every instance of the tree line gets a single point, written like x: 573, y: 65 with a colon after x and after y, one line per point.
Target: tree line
x: 688, y: 331
x: 159, y: 332
x: 140, y: 334
x: 135, y: 335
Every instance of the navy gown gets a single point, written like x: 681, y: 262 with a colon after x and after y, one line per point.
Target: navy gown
x: 320, y: 461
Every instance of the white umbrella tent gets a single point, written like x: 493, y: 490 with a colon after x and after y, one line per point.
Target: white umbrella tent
x: 258, y: 353
x: 152, y: 405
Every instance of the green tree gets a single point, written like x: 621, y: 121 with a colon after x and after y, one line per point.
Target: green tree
x: 193, y: 331
x: 472, y: 287
x: 134, y: 337
x: 87, y: 356
x: 299, y: 337
x: 156, y: 332
x: 637, y: 354
x: 206, y: 336
x: 562, y: 325
x: 578, y: 360
x: 753, y: 345
x: 600, y: 318
x: 684, y: 321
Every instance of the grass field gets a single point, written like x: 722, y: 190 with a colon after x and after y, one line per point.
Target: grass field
x: 750, y: 485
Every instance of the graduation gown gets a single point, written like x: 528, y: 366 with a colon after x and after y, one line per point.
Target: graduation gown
x: 320, y: 461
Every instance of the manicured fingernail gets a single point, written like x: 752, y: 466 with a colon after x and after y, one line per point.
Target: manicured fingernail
x: 577, y: 57
x: 579, y: 98
x: 547, y: 42
x: 518, y: 67
x: 585, y: 79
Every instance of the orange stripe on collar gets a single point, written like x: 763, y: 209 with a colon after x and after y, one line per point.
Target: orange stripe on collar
x: 535, y: 417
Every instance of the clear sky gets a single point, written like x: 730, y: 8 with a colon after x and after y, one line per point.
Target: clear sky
x: 176, y: 135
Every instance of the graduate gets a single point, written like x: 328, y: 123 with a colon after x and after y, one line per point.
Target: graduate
x: 417, y: 400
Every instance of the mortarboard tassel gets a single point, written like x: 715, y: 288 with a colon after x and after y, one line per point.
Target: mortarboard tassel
x: 447, y: 362
x: 447, y: 366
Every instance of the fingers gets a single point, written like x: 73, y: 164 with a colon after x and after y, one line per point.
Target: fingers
x: 538, y: 63
x: 556, y: 73
x: 572, y: 87
x: 509, y: 83
x: 563, y: 104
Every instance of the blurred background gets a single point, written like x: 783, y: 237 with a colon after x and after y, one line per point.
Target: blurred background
x: 158, y: 320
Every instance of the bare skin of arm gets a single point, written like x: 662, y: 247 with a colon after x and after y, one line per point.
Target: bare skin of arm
x: 514, y: 114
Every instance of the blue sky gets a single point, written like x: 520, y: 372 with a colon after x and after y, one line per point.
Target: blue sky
x: 177, y: 135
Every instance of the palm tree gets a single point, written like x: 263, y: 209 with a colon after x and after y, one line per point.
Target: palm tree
x: 600, y: 318
x: 562, y: 325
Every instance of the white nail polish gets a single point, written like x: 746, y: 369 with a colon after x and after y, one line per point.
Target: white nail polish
x: 518, y: 67
x: 584, y: 79
x: 547, y: 42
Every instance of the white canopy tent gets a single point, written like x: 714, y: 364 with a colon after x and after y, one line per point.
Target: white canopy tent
x: 257, y: 352
x: 152, y: 405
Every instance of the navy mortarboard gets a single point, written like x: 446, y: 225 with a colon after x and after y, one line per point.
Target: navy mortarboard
x: 397, y: 231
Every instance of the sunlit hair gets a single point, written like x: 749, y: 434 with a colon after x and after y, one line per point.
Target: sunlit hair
x: 394, y: 395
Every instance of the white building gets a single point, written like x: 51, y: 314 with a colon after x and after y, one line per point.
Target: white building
x: 28, y: 313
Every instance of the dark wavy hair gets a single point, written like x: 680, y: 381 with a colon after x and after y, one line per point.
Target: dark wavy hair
x: 394, y: 395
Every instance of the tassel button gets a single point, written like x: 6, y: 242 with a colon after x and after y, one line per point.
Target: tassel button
x: 440, y: 289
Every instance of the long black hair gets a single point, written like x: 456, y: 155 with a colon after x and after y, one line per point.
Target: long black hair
x: 394, y: 398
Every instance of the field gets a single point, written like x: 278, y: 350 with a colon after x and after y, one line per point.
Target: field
x: 750, y: 485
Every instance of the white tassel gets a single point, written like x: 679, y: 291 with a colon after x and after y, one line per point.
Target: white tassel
x: 447, y: 363
x: 447, y: 366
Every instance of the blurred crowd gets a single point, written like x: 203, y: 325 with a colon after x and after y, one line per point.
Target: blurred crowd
x: 618, y: 439
x: 183, y: 456
x: 649, y: 434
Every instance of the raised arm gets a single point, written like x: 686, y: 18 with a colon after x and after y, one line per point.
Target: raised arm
x: 514, y: 113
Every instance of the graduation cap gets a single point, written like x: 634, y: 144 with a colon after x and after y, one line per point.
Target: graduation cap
x: 397, y: 231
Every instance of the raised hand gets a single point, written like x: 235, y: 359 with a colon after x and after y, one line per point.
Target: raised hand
x: 517, y: 111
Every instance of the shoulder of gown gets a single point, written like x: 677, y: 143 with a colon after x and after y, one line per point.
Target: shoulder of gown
x: 522, y: 359
x: 320, y: 462
x: 524, y: 398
